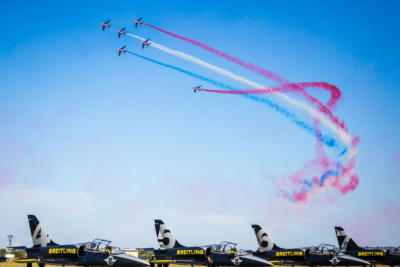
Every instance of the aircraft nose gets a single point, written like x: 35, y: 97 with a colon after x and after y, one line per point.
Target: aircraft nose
x: 125, y: 259
x: 255, y: 261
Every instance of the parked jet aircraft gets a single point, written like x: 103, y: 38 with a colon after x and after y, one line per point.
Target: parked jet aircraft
x: 311, y: 256
x: 223, y: 254
x: 384, y: 255
x: 98, y: 253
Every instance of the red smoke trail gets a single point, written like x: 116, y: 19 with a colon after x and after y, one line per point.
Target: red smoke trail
x: 338, y: 175
x: 284, y: 88
x: 247, y: 65
x: 241, y: 92
x: 286, y: 85
x: 266, y: 73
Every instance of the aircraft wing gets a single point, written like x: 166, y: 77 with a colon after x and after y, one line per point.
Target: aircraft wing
x: 17, y: 248
x: 147, y: 249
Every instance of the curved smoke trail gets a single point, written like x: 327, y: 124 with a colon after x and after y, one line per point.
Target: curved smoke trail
x: 282, y: 89
x: 300, y: 188
x: 343, y: 135
x: 322, y: 138
x: 252, y: 67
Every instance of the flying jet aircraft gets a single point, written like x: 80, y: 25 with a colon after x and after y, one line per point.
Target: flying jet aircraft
x: 138, y: 22
x: 106, y: 24
x: 146, y: 42
x: 96, y: 253
x: 375, y: 255
x: 197, y: 88
x: 121, y: 32
x: 122, y: 50
x: 223, y: 254
x: 311, y: 256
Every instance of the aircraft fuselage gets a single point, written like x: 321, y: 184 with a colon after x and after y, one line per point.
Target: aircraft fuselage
x: 77, y: 255
x: 307, y: 257
x: 204, y: 256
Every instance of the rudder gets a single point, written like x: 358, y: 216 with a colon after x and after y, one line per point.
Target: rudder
x: 164, y: 236
x: 40, y: 237
x: 265, y: 242
x: 345, y: 242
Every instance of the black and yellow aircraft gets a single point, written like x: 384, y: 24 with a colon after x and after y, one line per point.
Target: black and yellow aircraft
x: 223, y: 254
x: 322, y: 255
x: 375, y: 255
x: 96, y: 253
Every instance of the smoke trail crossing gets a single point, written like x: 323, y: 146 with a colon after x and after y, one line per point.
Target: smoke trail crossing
x: 325, y: 139
x: 331, y: 173
x: 321, y: 107
x: 252, y: 67
x: 343, y: 135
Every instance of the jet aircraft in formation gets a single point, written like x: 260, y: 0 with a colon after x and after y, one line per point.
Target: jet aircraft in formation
x: 121, y: 32
x: 122, y: 50
x: 375, y: 255
x: 197, y: 88
x: 106, y: 24
x: 96, y: 253
x: 146, y: 43
x: 138, y: 22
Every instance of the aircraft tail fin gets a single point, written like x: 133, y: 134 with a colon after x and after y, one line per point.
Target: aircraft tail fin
x: 345, y: 241
x: 40, y: 237
x: 164, y: 236
x: 265, y: 242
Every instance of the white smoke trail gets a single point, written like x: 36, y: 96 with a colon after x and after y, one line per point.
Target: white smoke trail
x: 343, y: 135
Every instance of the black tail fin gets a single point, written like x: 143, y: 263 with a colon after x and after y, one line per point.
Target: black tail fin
x: 265, y: 242
x: 345, y: 242
x: 40, y: 237
x: 164, y: 236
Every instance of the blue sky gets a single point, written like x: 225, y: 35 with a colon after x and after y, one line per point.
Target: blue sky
x: 100, y: 145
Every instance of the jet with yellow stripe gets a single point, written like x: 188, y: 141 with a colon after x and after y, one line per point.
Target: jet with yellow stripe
x: 223, y: 254
x: 97, y: 253
x: 323, y: 255
x: 375, y: 255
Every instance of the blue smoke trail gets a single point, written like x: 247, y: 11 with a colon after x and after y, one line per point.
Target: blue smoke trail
x: 325, y: 139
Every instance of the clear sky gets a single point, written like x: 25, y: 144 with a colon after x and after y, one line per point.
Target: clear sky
x: 98, y: 145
